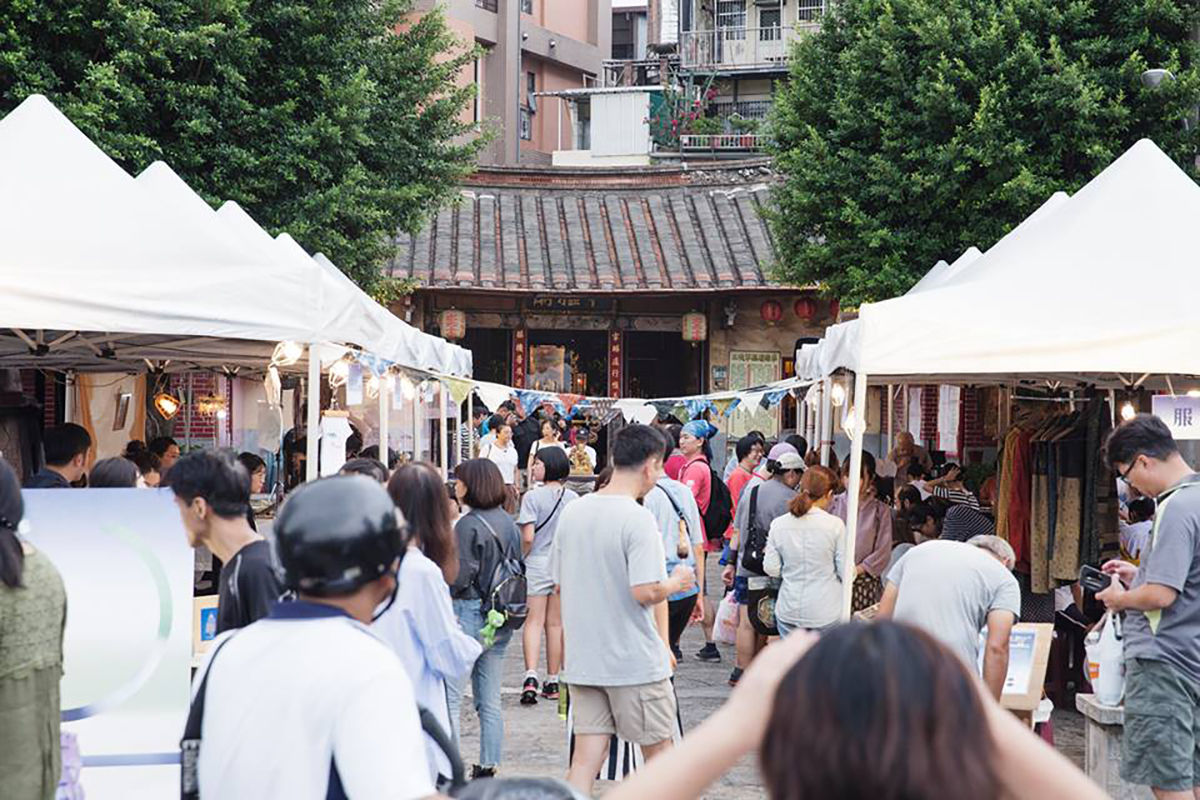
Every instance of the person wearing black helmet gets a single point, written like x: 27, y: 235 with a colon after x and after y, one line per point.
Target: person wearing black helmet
x: 307, y: 703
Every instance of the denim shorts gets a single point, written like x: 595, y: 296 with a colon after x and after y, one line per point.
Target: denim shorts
x: 1161, y: 742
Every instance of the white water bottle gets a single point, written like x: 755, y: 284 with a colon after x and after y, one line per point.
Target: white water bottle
x: 1106, y: 661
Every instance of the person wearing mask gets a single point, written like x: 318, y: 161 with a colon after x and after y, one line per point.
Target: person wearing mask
x: 420, y: 625
x: 33, y: 613
x: 114, y: 473
x: 952, y: 590
x: 806, y: 548
x: 148, y: 466
x: 678, y: 517
x: 66, y: 449
x: 355, y: 731
x: 930, y: 728
x: 760, y: 506
x: 485, y: 534
x: 212, y: 491
x: 167, y: 450
x: 873, y: 535
x: 949, y: 487
x: 610, y: 568
x: 1159, y: 598
x: 541, y: 508
x: 503, y: 453
x: 906, y: 453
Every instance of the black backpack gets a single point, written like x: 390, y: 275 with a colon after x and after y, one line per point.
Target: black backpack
x: 719, y: 513
x: 508, y: 591
x: 754, y: 547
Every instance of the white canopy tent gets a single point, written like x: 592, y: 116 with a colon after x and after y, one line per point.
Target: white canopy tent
x: 1100, y: 290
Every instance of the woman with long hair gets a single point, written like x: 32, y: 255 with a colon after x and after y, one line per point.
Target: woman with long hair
x: 420, y: 624
x: 550, y: 439
x: 33, y: 607
x: 873, y: 534
x: 877, y: 710
x: 486, y: 534
x: 538, y: 521
x: 807, y: 548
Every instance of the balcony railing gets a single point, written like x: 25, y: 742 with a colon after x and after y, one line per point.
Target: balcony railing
x: 747, y: 109
x: 740, y: 48
x: 722, y: 142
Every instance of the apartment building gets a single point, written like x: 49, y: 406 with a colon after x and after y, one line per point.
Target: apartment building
x: 530, y: 46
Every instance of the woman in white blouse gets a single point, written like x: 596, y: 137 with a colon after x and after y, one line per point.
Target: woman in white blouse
x: 420, y: 625
x: 806, y: 548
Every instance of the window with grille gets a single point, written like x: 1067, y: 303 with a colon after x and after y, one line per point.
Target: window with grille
x: 769, y: 22
x: 486, y: 5
x: 810, y: 10
x: 526, y: 124
x: 526, y: 6
x: 731, y: 18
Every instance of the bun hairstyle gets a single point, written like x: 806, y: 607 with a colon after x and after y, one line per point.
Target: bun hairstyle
x: 816, y: 482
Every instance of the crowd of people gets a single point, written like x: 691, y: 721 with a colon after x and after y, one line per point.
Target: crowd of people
x: 382, y: 592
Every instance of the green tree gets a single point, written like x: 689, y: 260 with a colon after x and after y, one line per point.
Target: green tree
x: 910, y: 130
x: 338, y: 121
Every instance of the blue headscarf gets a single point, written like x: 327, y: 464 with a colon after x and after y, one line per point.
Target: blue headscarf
x: 699, y: 428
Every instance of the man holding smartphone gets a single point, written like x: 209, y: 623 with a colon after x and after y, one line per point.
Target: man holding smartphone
x: 1162, y: 620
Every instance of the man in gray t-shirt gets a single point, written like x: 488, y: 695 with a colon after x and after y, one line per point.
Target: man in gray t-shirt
x: 607, y: 560
x: 1161, y: 748
x: 951, y: 590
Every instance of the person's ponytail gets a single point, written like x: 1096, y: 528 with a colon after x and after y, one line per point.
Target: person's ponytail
x: 816, y: 482
x: 12, y: 509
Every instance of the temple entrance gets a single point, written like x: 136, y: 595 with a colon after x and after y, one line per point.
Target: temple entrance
x: 571, y: 362
x: 661, y: 364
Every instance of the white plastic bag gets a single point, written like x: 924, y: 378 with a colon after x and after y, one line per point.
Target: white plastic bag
x: 1106, y: 661
x: 726, y: 625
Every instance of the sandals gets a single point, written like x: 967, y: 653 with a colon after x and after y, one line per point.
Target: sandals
x: 530, y: 692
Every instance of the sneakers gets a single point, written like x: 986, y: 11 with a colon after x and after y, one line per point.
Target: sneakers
x: 530, y: 692
x: 709, y: 653
x: 478, y: 772
x: 675, y: 651
x: 735, y: 676
x: 550, y: 690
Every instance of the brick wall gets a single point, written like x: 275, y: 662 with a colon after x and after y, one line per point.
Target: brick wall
x: 49, y: 400
x: 189, y: 422
x: 972, y: 419
x: 929, y: 415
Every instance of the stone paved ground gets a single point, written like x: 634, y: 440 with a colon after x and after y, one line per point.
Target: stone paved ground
x: 535, y: 739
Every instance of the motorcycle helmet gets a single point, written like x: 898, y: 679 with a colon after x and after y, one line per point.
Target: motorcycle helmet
x: 338, y: 534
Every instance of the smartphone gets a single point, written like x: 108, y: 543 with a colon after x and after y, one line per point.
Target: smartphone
x: 1092, y: 579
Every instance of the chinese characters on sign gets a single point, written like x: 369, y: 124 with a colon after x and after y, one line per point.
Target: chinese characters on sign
x: 568, y: 303
x: 1182, y: 415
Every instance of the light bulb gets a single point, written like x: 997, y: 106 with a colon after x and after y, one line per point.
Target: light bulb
x: 852, y: 424
x: 222, y: 414
x: 407, y: 388
x: 1128, y: 412
x: 838, y: 395
x: 1193, y: 393
x: 287, y: 353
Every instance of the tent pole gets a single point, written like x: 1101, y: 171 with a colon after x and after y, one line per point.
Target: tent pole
x: 69, y: 397
x: 891, y: 422
x: 826, y: 420
x: 385, y: 405
x: 416, y: 415
x: 443, y: 438
x: 470, y: 449
x: 314, y: 413
x: 852, y: 492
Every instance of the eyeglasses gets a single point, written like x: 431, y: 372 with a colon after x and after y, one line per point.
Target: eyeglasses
x: 1130, y: 468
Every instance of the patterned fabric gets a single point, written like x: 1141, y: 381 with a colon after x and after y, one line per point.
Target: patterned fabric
x: 867, y: 591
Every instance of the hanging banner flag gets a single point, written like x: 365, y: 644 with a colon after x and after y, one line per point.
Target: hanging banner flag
x: 459, y: 389
x: 723, y: 405
x: 493, y: 395
x: 1181, y: 413
x: 569, y: 401
x: 354, y: 385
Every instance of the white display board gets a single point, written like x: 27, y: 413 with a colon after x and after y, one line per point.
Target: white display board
x: 127, y: 569
x: 1181, y: 413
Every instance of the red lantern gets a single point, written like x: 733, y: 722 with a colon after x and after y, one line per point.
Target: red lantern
x: 453, y: 324
x: 805, y: 308
x: 695, y: 327
x: 835, y: 308
x: 771, y: 312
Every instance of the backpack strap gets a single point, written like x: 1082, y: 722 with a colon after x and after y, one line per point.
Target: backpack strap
x: 678, y: 511
x: 189, y: 774
x: 499, y: 544
x: 1155, y: 617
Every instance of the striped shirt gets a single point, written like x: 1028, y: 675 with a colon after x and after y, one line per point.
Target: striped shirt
x: 955, y: 496
x: 963, y: 523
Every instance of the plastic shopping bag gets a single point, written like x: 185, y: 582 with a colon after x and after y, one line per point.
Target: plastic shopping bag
x: 726, y: 625
x: 1106, y: 661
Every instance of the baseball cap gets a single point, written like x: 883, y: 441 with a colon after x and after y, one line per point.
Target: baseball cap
x: 790, y: 460
x: 782, y: 449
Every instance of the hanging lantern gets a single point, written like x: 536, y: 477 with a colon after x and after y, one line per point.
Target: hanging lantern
x: 695, y: 327
x: 167, y: 405
x: 771, y: 312
x: 453, y: 324
x: 835, y: 308
x: 805, y: 308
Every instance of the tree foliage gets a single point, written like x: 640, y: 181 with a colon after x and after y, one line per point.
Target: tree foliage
x: 911, y: 130
x: 336, y: 120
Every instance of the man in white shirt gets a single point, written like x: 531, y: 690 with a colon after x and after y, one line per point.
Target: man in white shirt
x: 307, y: 703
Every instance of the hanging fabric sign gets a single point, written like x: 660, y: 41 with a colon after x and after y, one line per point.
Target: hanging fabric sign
x: 1182, y: 415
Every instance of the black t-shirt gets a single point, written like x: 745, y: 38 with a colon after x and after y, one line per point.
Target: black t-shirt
x: 249, y: 587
